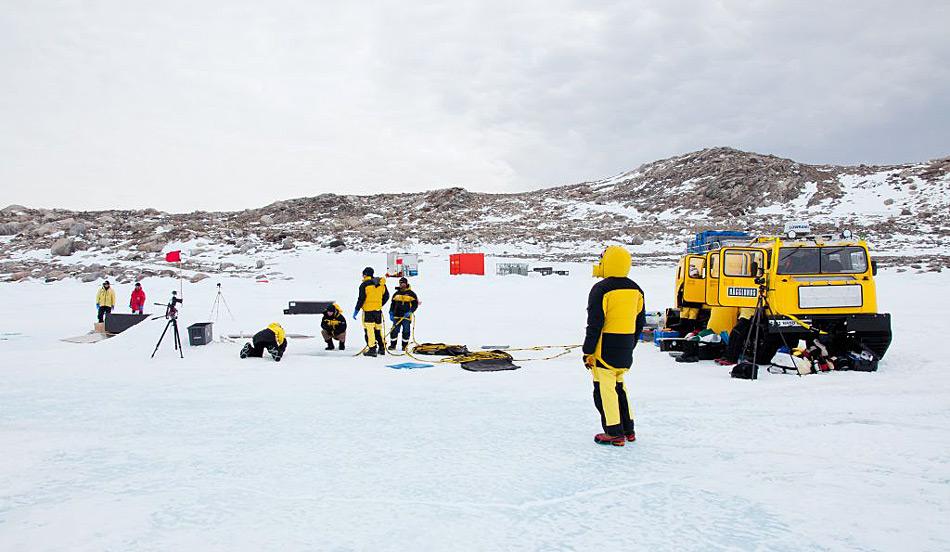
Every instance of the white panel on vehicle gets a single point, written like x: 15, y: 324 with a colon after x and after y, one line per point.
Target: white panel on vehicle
x: 816, y: 297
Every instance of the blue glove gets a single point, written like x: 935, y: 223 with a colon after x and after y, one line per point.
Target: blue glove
x: 392, y: 317
x: 355, y: 313
x: 97, y: 306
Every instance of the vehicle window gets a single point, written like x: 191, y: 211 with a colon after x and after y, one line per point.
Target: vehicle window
x: 697, y: 267
x: 714, y: 266
x: 738, y: 263
x: 799, y: 260
x: 843, y: 260
x: 824, y: 260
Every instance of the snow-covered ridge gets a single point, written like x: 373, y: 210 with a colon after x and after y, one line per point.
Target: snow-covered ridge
x: 900, y: 209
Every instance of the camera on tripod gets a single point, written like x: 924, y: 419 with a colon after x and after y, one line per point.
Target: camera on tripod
x: 758, y: 274
x: 171, y: 310
x: 171, y: 314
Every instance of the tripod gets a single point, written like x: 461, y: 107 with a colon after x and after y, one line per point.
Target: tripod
x: 171, y: 313
x: 216, y: 306
x: 760, y: 305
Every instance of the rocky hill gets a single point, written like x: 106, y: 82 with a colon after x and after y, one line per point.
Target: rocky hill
x: 901, y: 209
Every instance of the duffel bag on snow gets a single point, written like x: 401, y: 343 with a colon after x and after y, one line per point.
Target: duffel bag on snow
x: 859, y: 361
x: 745, y: 370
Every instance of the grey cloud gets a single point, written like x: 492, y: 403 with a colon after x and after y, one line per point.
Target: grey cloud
x: 234, y: 104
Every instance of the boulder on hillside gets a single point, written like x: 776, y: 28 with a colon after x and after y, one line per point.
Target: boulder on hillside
x: 9, y: 228
x: 91, y: 277
x: 13, y: 209
x: 198, y: 277
x: 44, y: 230
x: 54, y: 276
x: 151, y: 247
x: 288, y: 243
x: 63, y: 247
x: 267, y: 220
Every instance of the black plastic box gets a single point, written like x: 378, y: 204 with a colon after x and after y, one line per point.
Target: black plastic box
x: 199, y: 334
x: 307, y: 307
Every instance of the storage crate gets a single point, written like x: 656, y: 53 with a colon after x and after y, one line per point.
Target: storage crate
x: 661, y: 334
x: 467, y: 263
x: 199, y: 334
x: 504, y: 269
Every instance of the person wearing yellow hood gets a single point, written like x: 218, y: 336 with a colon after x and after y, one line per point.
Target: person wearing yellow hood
x: 333, y: 326
x: 615, y: 318
x: 272, y: 338
x: 373, y: 295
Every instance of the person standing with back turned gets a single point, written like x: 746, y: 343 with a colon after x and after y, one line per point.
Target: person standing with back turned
x: 373, y: 295
x: 615, y: 318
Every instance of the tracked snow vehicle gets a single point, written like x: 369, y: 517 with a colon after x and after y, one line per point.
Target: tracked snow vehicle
x: 810, y: 285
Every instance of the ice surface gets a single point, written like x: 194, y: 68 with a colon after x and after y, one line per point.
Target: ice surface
x: 106, y: 449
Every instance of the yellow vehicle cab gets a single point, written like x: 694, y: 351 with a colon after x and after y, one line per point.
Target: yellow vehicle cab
x: 814, y: 284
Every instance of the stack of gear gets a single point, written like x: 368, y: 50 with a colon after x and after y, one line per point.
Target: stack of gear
x: 701, y: 345
x: 489, y: 361
x: 481, y: 361
x: 811, y: 357
x: 440, y: 349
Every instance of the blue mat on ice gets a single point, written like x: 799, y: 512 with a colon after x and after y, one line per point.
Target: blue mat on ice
x: 409, y: 365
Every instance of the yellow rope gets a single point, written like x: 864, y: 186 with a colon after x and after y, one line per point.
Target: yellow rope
x: 421, y: 348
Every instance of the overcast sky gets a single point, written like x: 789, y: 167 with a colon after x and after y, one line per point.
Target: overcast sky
x: 230, y: 104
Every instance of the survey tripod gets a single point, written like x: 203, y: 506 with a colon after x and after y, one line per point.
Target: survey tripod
x: 761, y: 304
x: 171, y: 314
x: 216, y: 306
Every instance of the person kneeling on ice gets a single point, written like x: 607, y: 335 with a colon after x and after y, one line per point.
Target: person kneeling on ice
x: 615, y: 317
x: 401, y: 309
x: 272, y: 338
x: 373, y: 295
x: 333, y: 326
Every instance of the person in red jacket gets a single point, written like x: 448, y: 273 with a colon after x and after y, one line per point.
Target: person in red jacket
x: 137, y: 302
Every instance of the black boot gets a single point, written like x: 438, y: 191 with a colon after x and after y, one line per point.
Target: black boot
x: 392, y: 345
x: 381, y: 348
x: 329, y: 345
x: 404, y: 345
x: 245, y: 350
x: 370, y: 352
x: 342, y: 346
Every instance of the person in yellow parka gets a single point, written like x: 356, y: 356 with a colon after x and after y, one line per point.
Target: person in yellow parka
x: 105, y: 300
x: 615, y: 318
x: 272, y: 338
x: 373, y: 295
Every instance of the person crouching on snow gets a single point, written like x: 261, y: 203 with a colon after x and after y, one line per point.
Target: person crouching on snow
x: 272, y: 338
x: 615, y: 318
x: 333, y: 326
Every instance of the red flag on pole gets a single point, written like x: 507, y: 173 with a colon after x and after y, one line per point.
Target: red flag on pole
x: 173, y: 256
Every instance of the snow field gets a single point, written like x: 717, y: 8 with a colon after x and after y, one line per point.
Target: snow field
x: 106, y: 449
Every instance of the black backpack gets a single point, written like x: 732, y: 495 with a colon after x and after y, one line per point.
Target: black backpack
x: 745, y: 370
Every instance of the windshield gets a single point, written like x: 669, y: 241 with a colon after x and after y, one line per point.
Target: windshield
x: 822, y: 260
